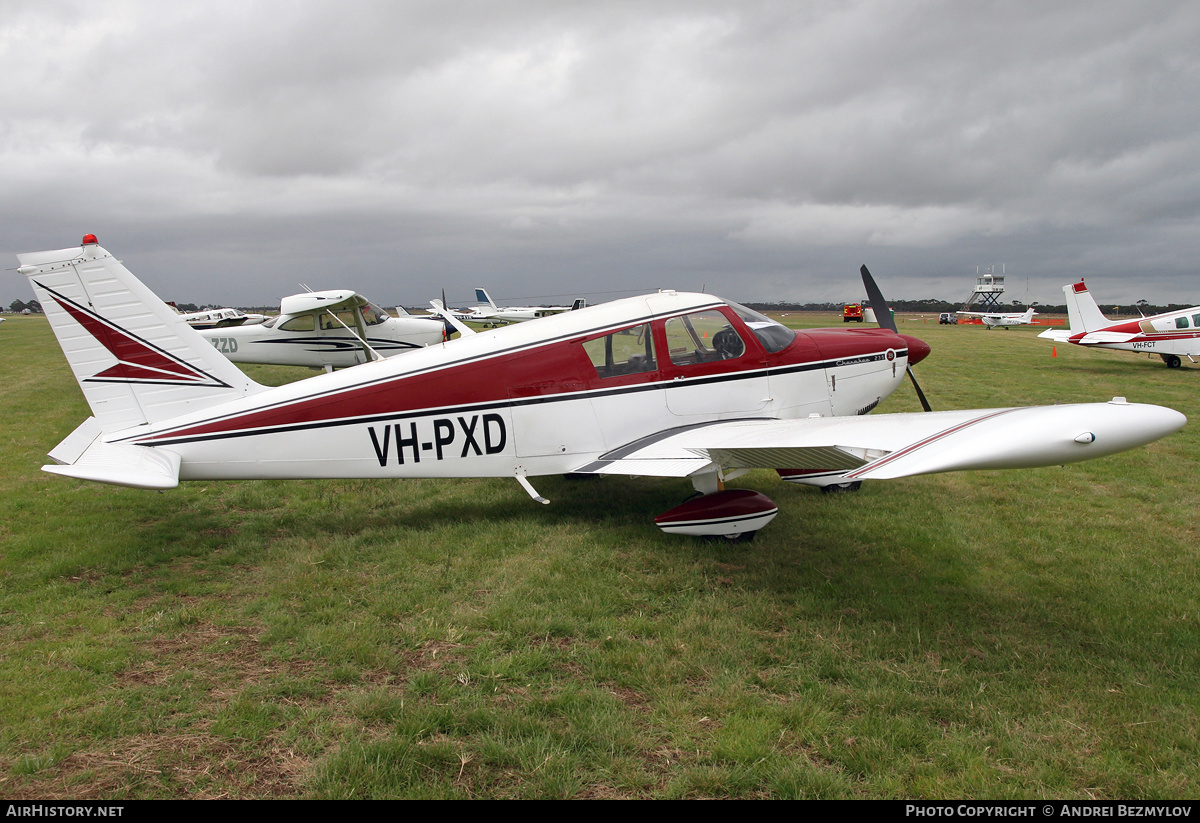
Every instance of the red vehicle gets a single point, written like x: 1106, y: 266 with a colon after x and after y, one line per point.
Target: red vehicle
x: 852, y: 311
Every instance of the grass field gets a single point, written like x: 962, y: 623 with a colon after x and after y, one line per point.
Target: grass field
x: 987, y: 635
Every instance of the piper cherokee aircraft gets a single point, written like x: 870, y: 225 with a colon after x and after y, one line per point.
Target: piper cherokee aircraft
x: 669, y: 384
x: 490, y: 314
x: 992, y: 319
x: 325, y: 329
x: 1170, y: 335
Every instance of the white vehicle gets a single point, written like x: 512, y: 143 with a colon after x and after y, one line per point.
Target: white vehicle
x: 994, y: 319
x: 1170, y: 335
x: 326, y: 329
x: 669, y: 384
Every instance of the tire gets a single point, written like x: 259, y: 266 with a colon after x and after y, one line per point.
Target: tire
x: 840, y: 488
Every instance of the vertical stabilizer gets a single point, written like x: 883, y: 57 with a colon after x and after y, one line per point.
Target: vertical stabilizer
x: 136, y: 360
x: 1082, y: 312
x: 485, y: 299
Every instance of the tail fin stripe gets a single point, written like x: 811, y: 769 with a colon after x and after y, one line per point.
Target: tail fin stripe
x: 137, y: 360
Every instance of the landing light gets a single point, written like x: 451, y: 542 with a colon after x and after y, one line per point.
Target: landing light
x: 1085, y: 438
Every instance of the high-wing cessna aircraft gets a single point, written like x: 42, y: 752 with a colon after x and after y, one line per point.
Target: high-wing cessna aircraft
x: 993, y: 319
x: 489, y: 313
x: 325, y: 329
x: 1171, y: 335
x: 667, y: 384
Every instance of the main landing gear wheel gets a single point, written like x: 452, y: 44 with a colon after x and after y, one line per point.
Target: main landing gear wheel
x: 1171, y: 360
x: 740, y: 537
x: 838, y: 488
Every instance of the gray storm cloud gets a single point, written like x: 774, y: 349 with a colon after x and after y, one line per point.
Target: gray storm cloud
x: 765, y: 150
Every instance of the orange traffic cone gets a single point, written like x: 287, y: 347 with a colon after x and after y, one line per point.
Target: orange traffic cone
x: 1054, y: 351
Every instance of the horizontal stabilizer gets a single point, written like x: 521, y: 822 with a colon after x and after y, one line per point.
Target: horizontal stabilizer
x: 1097, y: 338
x: 140, y: 467
x: 1057, y: 335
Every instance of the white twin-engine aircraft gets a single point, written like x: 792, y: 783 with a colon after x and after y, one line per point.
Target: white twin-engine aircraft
x: 1170, y: 335
x: 326, y: 329
x: 667, y: 384
x: 994, y: 319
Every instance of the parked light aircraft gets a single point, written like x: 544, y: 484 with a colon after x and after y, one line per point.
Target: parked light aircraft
x: 325, y: 329
x: 994, y: 319
x: 489, y: 313
x: 218, y: 318
x: 1170, y: 335
x: 668, y: 384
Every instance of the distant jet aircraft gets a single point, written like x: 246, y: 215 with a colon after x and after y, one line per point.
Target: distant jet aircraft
x: 1170, y: 335
x: 489, y: 313
x: 325, y: 329
x: 993, y: 319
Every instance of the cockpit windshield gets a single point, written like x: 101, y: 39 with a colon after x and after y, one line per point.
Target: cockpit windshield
x: 773, y: 335
x: 373, y: 315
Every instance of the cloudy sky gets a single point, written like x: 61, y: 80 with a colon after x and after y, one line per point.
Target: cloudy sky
x: 229, y: 151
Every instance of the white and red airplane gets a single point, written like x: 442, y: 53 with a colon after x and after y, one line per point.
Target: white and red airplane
x: 668, y: 384
x: 1170, y: 335
x: 326, y: 329
x: 1002, y: 319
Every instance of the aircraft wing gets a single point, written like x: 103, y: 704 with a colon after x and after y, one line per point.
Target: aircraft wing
x: 898, y: 445
x: 441, y: 311
x: 319, y: 302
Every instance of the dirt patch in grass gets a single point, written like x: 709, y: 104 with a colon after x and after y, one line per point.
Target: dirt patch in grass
x: 189, y: 760
x: 199, y: 766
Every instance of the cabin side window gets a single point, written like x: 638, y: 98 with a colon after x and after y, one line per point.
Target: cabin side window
x: 629, y: 351
x: 702, y: 337
x: 1181, y: 322
x: 304, y: 322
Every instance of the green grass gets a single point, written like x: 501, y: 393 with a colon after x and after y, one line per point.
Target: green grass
x: 993, y: 634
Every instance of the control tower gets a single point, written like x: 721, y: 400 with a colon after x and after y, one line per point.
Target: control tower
x: 988, y: 288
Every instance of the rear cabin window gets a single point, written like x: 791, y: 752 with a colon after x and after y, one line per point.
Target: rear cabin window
x: 304, y: 322
x: 1181, y: 322
x: 629, y: 351
x: 702, y: 337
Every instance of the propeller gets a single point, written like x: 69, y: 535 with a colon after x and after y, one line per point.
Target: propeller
x: 883, y: 316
